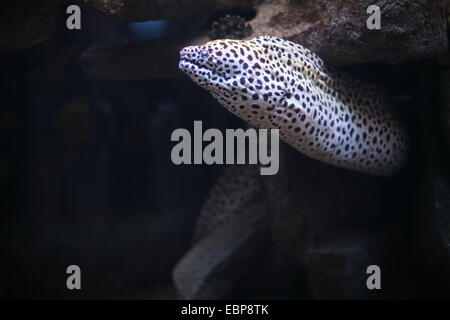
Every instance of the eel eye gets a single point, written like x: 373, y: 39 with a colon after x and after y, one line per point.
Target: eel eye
x: 204, y: 55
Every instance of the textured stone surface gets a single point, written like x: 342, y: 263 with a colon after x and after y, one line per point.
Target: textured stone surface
x: 230, y: 27
x: 328, y: 220
x: 27, y: 23
x: 432, y: 225
x: 336, y: 30
x: 141, y: 10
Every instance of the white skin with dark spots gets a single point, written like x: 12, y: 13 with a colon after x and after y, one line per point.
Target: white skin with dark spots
x: 323, y: 113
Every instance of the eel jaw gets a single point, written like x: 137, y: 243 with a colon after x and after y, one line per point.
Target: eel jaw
x: 198, y: 73
x: 202, y: 73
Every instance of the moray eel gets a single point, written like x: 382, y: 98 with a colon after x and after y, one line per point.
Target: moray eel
x: 231, y: 233
x: 238, y: 187
x: 325, y: 114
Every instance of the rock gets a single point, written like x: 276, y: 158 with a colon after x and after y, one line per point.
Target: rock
x: 141, y: 10
x: 336, y: 30
x: 230, y: 27
x: 273, y: 275
x: 308, y: 198
x: 317, y: 213
x: 430, y: 227
x: 432, y: 224
x: 337, y: 266
x: 24, y: 24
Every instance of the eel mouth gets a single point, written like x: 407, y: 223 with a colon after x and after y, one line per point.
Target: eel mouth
x: 193, y: 60
x: 199, y: 73
x: 199, y: 63
x: 188, y: 65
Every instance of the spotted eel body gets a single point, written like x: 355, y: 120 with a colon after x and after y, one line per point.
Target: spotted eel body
x: 323, y: 113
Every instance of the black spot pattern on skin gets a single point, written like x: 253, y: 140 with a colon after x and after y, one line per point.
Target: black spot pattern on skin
x: 236, y: 188
x: 323, y: 113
